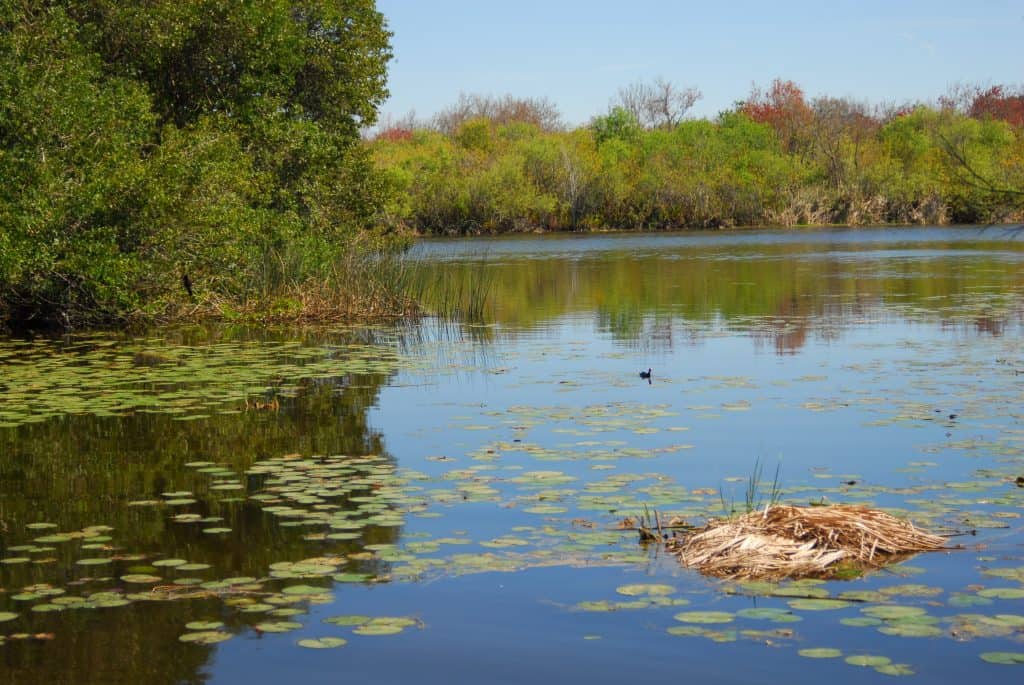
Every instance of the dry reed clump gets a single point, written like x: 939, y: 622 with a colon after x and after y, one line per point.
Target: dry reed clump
x: 784, y: 541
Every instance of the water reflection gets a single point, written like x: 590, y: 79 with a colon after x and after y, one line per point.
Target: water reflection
x: 783, y: 288
x: 516, y: 437
x: 93, y: 465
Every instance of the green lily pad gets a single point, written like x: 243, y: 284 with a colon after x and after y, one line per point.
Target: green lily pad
x: 204, y: 625
x: 1002, y: 593
x: 193, y: 567
x: 704, y: 617
x: 278, y: 626
x: 893, y: 612
x: 1004, y: 658
x: 7, y: 616
x: 963, y: 599
x: 141, y: 579
x: 861, y: 621
x: 377, y: 629
x: 868, y: 660
x: 820, y: 653
x: 46, y: 608
x: 322, y: 643
x: 205, y: 637
x: 769, y: 614
x: 347, y: 620
x: 40, y: 526
x: 895, y: 669
x: 305, y: 590
x: 911, y: 630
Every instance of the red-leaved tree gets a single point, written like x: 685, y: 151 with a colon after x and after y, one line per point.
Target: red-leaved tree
x: 784, y: 108
x: 996, y: 103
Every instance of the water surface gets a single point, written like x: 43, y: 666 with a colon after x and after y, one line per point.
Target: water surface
x: 470, y: 480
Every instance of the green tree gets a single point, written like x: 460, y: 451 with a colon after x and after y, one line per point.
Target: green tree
x: 152, y: 144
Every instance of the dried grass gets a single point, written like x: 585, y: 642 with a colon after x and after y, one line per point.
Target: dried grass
x: 786, y: 541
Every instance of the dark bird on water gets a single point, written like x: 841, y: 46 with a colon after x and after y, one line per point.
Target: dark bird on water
x: 646, y: 374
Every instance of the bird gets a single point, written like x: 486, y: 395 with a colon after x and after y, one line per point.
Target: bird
x: 646, y: 374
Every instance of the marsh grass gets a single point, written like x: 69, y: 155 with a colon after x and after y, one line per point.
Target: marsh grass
x: 355, y: 285
x: 456, y: 295
x: 754, y: 497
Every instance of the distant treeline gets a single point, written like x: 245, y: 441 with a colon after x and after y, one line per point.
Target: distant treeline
x: 489, y: 165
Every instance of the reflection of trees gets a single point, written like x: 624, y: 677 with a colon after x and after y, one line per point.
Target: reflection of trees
x: 77, y: 471
x: 785, y: 294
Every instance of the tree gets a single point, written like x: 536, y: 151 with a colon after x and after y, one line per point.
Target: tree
x: 618, y: 124
x: 500, y: 111
x: 147, y: 143
x: 1003, y: 103
x: 840, y: 130
x: 783, y: 107
x: 660, y: 104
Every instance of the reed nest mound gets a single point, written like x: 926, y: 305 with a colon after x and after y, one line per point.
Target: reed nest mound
x: 785, y: 541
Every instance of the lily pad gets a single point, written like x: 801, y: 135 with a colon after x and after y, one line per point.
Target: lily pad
x: 347, y: 620
x: 911, y: 630
x: 1004, y: 658
x: 205, y: 637
x: 277, y: 626
x: 322, y: 642
x: 377, y: 629
x: 637, y: 589
x: 820, y: 653
x: 204, y: 625
x: 1002, y: 593
x: 704, y: 617
x: 769, y: 614
x: 893, y: 612
x: 868, y: 660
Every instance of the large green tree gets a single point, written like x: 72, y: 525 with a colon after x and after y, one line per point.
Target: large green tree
x: 150, y: 144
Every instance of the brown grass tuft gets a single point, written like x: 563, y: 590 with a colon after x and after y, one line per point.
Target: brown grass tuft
x: 786, y: 541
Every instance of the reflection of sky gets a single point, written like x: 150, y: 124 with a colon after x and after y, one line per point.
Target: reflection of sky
x: 876, y: 372
x: 849, y: 242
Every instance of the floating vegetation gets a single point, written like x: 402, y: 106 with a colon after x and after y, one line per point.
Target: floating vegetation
x: 704, y: 617
x: 1004, y: 658
x: 787, y: 541
x: 322, y: 642
x: 652, y: 589
x: 215, y: 531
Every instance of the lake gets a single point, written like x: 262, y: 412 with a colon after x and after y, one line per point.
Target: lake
x: 446, y: 502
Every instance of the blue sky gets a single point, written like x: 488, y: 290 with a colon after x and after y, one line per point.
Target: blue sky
x: 578, y: 53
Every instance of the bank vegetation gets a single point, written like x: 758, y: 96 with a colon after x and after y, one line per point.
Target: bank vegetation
x: 500, y: 164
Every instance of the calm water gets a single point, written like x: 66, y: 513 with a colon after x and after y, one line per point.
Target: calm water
x: 455, y: 491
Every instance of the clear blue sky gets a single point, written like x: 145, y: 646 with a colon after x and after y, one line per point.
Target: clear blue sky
x: 578, y: 53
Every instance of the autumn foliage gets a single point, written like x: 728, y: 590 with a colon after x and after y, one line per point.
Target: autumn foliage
x: 489, y: 165
x: 783, y: 107
x: 997, y: 103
